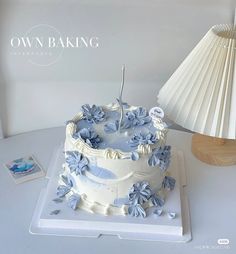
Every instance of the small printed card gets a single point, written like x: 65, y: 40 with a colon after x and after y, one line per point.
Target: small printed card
x: 24, y: 169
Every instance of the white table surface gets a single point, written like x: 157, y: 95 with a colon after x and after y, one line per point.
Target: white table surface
x: 211, y: 192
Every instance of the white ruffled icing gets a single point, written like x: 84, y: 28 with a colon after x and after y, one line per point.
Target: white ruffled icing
x: 144, y: 149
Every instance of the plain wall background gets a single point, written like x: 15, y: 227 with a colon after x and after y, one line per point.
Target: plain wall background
x: 151, y: 37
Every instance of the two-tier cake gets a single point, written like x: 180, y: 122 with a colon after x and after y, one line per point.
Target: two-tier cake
x: 116, y: 161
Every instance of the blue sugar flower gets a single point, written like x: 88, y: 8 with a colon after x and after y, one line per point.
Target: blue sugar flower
x: 160, y: 157
x: 111, y: 127
x: 128, y: 120
x: 62, y: 190
x: 77, y: 162
x: 137, y: 117
x: 168, y: 183
x: 88, y: 136
x: 142, y: 116
x: 132, y: 118
x: 93, y: 114
x: 142, y: 139
x: 74, y: 201
x: 139, y: 193
x: 157, y: 200
x: 136, y: 211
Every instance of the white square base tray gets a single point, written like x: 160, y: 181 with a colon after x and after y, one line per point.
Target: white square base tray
x: 83, y: 224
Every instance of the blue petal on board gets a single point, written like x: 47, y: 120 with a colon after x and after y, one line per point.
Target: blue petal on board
x: 62, y: 190
x: 57, y: 200
x: 157, y: 200
x: 73, y: 201
x: 55, y: 212
x: 171, y: 215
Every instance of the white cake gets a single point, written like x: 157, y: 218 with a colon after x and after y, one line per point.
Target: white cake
x: 114, y: 171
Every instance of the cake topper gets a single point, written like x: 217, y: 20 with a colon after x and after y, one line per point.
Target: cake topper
x: 156, y: 113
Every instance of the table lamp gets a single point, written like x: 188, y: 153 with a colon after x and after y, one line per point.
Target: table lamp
x: 201, y: 96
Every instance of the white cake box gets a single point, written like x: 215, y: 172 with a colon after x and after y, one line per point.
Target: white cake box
x: 83, y: 224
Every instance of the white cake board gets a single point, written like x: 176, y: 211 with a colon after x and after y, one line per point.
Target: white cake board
x: 83, y: 224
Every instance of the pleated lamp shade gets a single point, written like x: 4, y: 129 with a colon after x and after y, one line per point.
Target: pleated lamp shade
x: 201, y: 94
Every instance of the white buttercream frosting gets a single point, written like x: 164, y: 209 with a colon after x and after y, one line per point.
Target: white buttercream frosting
x: 98, y: 194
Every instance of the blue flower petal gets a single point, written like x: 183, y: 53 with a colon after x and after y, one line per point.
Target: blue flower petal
x: 57, y: 200
x: 111, y: 127
x: 84, y: 133
x: 88, y: 136
x: 142, y: 139
x: 126, y: 124
x: 62, y: 190
x: 136, y: 211
x: 81, y: 169
x: 168, y: 183
x: 153, y: 161
x: 73, y: 201
x: 55, y: 212
x: 66, y: 181
x: 134, y: 156
x: 157, y: 200
x: 160, y: 157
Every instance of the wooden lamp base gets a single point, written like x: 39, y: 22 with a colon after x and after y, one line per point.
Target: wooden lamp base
x: 214, y: 151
